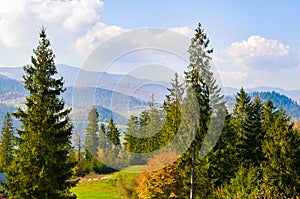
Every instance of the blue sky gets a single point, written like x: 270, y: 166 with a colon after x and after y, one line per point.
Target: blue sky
x: 257, y: 43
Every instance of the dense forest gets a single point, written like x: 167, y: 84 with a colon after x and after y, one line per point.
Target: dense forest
x: 191, y: 146
x: 291, y: 107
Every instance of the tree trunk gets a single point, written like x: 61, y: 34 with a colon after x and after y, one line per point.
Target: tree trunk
x: 192, y: 174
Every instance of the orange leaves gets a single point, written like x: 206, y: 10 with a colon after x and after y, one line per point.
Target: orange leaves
x: 160, y: 177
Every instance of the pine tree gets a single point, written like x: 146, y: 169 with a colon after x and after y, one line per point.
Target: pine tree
x: 282, y: 152
x: 132, y: 142
x: 255, y: 133
x: 91, y: 139
x: 222, y: 159
x: 247, y: 121
x: 113, y: 137
x: 172, y: 108
x: 268, y: 114
x: 102, y: 137
x: 202, y: 85
x: 42, y: 167
x: 239, y: 119
x: 7, y: 143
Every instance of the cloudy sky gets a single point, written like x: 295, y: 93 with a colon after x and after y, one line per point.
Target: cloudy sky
x: 256, y: 43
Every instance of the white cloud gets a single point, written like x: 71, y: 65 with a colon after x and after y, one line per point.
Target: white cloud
x: 186, y: 31
x: 218, y: 60
x: 73, y: 15
x: 101, y: 32
x: 256, y: 46
x: 74, y: 27
x: 66, y: 21
x: 20, y: 20
x: 235, y: 75
x: 94, y: 36
x: 258, y: 53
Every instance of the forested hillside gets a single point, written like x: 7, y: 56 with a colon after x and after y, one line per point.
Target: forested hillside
x: 290, y: 106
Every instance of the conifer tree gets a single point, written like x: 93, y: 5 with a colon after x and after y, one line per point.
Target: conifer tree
x: 91, y: 139
x: 144, y: 134
x: 102, y: 137
x: 281, y: 150
x: 172, y: 107
x: 7, y: 143
x: 201, y: 83
x: 113, y: 137
x: 239, y: 119
x: 132, y: 143
x: 42, y: 167
x: 255, y: 133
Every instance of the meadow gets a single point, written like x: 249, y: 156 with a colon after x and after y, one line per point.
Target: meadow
x: 119, y: 185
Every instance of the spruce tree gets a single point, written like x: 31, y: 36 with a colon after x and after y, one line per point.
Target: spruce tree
x: 172, y: 108
x: 255, y: 133
x: 42, y: 167
x: 281, y: 150
x: 102, y: 137
x: 202, y: 85
x: 113, y: 136
x: 239, y: 119
x: 7, y: 143
x: 91, y: 139
x: 132, y: 143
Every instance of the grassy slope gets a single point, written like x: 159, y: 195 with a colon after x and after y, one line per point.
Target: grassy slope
x: 112, y: 187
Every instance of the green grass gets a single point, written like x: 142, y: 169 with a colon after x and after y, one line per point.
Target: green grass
x: 110, y: 188
x: 97, y: 189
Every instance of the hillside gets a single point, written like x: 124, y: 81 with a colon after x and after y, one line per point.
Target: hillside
x: 10, y: 89
x: 289, y: 105
x: 78, y: 77
x: 293, y: 94
x: 115, y: 103
x: 111, y: 104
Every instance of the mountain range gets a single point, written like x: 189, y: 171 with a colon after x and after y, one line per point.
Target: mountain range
x: 78, y: 77
x: 117, y: 96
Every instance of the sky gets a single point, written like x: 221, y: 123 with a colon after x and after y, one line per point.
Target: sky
x: 256, y: 43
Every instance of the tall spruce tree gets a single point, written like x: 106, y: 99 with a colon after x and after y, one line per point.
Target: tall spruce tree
x: 42, y: 167
x: 255, y: 133
x: 201, y: 83
x: 7, y: 143
x: 239, y: 119
x: 281, y: 149
x: 91, y: 139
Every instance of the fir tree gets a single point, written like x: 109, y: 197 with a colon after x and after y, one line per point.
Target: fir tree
x: 102, y: 137
x: 202, y: 85
x: 132, y: 142
x: 42, y: 167
x: 281, y: 150
x: 91, y: 139
x: 255, y: 133
x: 113, y: 137
x: 239, y: 119
x: 172, y: 108
x: 7, y: 143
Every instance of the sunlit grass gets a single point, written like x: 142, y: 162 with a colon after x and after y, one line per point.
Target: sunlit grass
x: 111, y: 187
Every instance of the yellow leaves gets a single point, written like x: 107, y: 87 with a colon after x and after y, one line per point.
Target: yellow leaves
x: 159, y: 180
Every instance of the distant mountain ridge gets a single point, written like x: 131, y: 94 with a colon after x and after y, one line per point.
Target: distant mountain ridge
x: 13, y: 94
x: 293, y: 94
x: 117, y: 94
x: 290, y: 106
x: 78, y: 77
